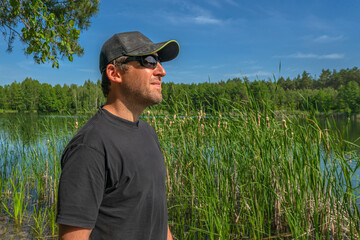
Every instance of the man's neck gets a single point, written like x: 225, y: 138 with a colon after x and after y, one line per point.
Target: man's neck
x: 121, y: 110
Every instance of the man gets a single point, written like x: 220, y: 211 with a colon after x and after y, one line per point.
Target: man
x: 112, y: 184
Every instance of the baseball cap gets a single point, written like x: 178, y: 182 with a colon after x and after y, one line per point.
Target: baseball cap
x: 135, y: 44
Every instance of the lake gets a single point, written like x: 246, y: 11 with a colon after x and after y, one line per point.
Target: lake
x: 30, y: 125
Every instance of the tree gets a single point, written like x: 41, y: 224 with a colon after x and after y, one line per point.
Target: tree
x: 47, y: 99
x: 325, y: 78
x: 2, y: 97
x: 59, y: 102
x: 351, y: 95
x: 30, y: 88
x: 49, y: 28
x: 324, y: 99
x: 16, y: 97
x: 304, y: 82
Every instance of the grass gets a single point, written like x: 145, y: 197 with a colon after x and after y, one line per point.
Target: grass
x: 241, y: 172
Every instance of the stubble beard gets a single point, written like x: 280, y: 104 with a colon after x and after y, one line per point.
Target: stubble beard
x: 141, y: 98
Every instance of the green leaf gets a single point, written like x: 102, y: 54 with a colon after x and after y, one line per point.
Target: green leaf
x: 71, y: 23
x: 29, y: 50
x: 55, y: 64
x: 13, y: 3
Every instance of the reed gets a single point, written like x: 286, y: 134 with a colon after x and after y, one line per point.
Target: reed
x: 17, y: 202
x: 240, y: 172
x: 251, y: 175
x: 40, y: 222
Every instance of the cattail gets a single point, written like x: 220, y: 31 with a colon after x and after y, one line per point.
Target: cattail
x: 327, y: 139
x: 259, y: 119
x: 76, y: 125
x: 47, y: 142
x: 267, y: 121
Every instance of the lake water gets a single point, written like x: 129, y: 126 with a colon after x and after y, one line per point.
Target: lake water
x: 30, y: 126
x: 349, y: 128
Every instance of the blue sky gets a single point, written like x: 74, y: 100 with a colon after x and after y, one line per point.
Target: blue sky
x: 219, y: 39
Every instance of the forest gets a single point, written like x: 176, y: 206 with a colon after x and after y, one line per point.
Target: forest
x: 331, y: 92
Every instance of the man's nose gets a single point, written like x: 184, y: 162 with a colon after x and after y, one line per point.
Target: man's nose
x: 159, y: 70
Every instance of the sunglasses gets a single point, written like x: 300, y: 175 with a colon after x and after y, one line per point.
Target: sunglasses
x: 148, y: 61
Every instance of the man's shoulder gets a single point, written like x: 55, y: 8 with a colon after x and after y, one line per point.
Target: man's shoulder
x: 145, y: 126
x: 90, y: 134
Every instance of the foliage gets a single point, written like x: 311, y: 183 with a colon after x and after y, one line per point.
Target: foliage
x: 303, y: 93
x: 49, y: 28
x: 30, y: 95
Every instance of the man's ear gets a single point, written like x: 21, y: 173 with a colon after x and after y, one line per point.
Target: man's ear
x: 113, y: 74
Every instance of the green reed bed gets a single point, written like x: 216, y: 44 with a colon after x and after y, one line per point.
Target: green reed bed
x: 29, y: 171
x: 244, y: 173
x: 252, y: 175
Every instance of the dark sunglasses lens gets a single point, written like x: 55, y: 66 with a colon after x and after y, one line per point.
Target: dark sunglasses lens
x: 149, y: 61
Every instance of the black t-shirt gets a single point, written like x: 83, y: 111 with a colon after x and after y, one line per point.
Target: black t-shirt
x: 113, y: 180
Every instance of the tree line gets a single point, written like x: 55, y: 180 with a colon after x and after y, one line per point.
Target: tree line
x: 332, y: 91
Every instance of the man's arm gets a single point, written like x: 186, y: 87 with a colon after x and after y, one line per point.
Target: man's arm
x: 74, y: 233
x: 169, y: 236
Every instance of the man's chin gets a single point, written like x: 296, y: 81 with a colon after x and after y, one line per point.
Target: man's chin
x: 155, y: 101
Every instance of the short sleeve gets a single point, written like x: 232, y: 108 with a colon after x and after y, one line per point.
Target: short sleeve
x: 81, y: 186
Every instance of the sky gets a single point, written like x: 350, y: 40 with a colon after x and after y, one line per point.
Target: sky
x: 219, y: 40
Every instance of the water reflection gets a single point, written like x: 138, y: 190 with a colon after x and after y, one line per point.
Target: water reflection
x: 31, y: 127
x: 346, y: 128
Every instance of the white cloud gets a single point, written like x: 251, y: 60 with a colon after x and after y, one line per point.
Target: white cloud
x: 214, y: 3
x: 232, y: 2
x: 190, y: 13
x: 193, y: 8
x: 217, y: 66
x: 206, y: 20
x: 326, y: 38
x: 257, y: 74
x: 314, y: 22
x: 218, y: 4
x: 200, y: 20
x: 314, y: 56
x: 254, y: 74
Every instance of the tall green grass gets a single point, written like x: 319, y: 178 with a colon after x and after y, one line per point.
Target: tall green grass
x: 239, y: 172
x: 29, y: 173
x: 252, y: 174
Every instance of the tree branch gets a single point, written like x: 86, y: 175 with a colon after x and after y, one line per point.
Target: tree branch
x: 13, y: 30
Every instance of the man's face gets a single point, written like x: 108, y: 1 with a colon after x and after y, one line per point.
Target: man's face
x: 141, y: 85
